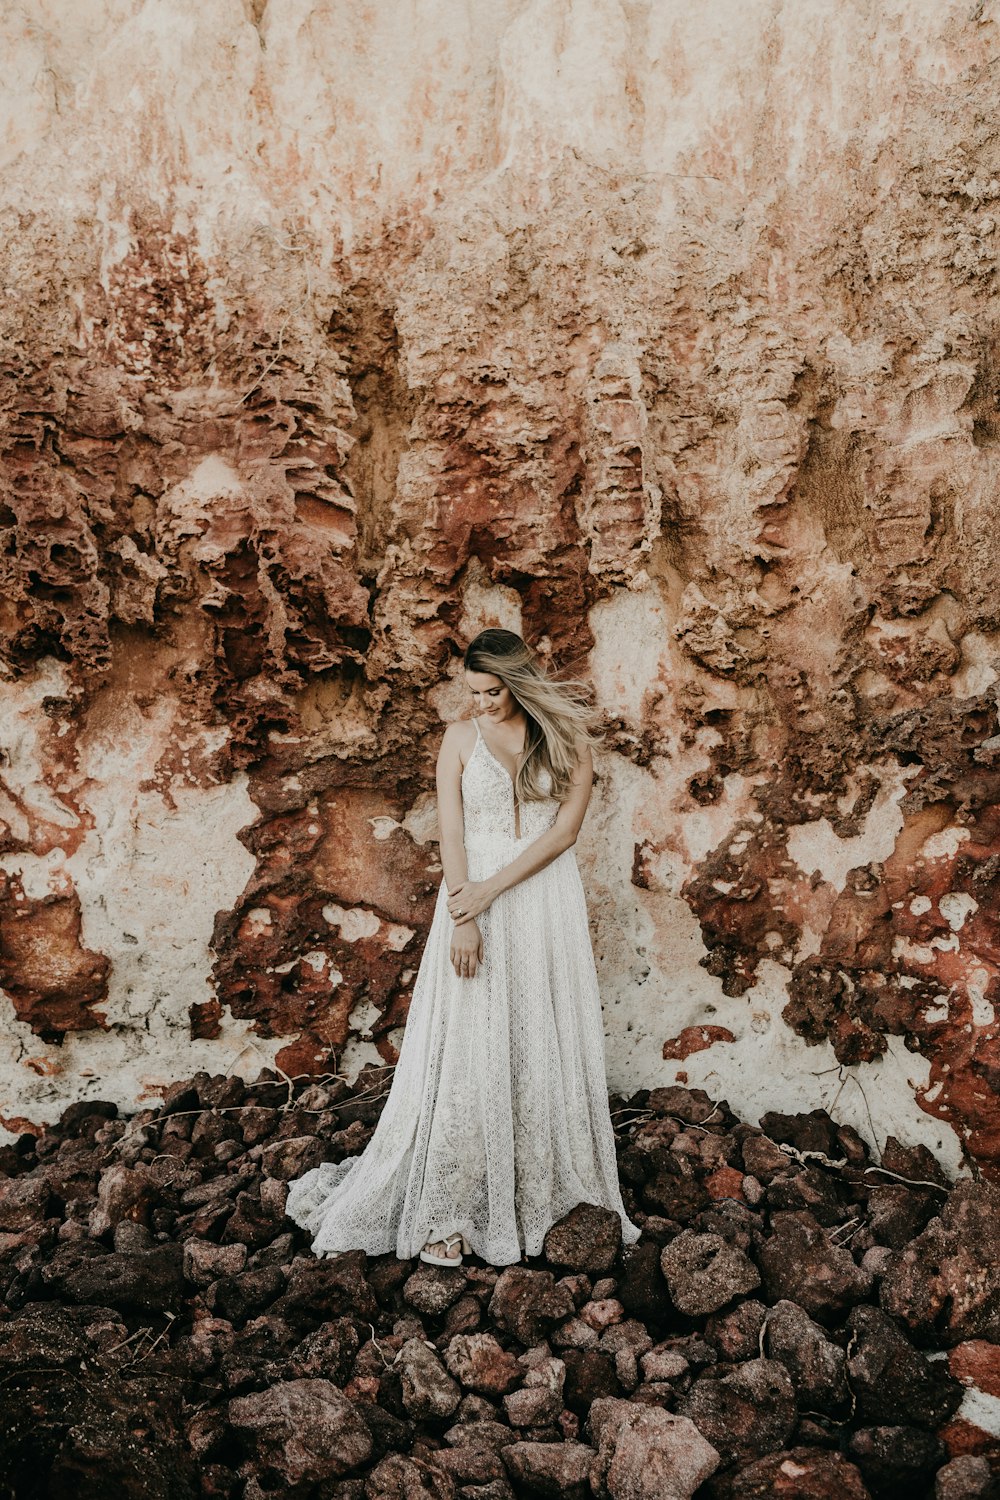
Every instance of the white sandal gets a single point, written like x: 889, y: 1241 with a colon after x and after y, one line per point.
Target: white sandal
x: 447, y: 1260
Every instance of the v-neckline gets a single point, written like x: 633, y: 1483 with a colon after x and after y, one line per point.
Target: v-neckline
x: 494, y: 757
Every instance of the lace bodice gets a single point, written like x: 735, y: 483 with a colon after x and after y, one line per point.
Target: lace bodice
x: 488, y: 801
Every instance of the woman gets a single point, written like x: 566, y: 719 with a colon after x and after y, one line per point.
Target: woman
x: 497, y: 1121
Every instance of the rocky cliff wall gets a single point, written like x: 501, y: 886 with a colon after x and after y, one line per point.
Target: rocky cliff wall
x: 668, y: 335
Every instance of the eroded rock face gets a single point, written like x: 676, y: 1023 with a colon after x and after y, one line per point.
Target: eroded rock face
x: 322, y: 356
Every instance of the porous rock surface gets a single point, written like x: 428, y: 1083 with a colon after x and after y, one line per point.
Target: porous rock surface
x: 184, y: 1341
x: 665, y: 333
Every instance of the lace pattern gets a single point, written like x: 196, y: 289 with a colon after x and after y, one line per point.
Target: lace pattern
x: 497, y: 1121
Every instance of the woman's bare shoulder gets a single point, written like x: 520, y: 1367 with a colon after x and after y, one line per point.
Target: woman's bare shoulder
x: 459, y: 736
x: 584, y: 758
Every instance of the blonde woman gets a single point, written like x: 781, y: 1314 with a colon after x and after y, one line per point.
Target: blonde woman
x: 497, y: 1121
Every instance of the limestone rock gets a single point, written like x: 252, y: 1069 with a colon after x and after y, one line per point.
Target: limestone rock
x: 696, y: 393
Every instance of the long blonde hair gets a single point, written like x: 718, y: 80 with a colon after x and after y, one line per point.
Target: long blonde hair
x: 560, y: 719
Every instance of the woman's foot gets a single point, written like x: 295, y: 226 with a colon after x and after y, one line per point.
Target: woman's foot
x: 446, y: 1252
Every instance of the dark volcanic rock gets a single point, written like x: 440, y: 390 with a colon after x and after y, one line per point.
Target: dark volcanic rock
x: 480, y: 1432
x: 85, y: 1115
x: 818, y: 1366
x: 892, y: 1382
x: 690, y: 1106
x: 812, y: 1189
x: 328, y: 1352
x: 642, y: 1290
x: 181, y: 1339
x: 750, y: 1411
x: 152, y: 1282
x: 122, y: 1193
x: 239, y: 1297
x: 762, y: 1158
x: 481, y: 1364
x: 303, y: 1430
x: 897, y: 1213
x: 814, y: 1131
x: 968, y: 1477
x: 946, y: 1283
x: 589, y: 1376
x: 73, y: 1428
x: 431, y: 1290
x: 398, y: 1478
x: 24, y: 1201
x: 896, y: 1460
x: 252, y: 1222
x: 540, y: 1398
x: 529, y: 1303
x: 703, y: 1273
x: 556, y: 1470
x: 205, y: 1262
x: 586, y: 1239
x: 428, y: 1389
x: 290, y: 1158
x: 672, y: 1192
x: 799, y: 1264
x: 319, y: 1289
x: 735, y: 1335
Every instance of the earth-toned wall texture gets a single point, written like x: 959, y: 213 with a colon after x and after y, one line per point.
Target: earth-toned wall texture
x: 332, y: 331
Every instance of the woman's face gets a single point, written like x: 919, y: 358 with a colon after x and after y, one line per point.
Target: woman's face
x: 489, y: 696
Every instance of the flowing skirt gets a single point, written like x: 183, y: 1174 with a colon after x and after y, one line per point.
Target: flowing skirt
x: 497, y: 1121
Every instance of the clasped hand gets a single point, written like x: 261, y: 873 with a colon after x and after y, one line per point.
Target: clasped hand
x: 468, y: 900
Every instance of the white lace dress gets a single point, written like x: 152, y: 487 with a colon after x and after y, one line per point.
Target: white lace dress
x: 497, y: 1121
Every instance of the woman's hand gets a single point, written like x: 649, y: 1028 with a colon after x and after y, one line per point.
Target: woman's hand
x: 469, y: 899
x: 466, y: 949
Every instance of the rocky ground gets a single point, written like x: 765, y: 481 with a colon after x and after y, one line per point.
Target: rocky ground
x: 796, y: 1319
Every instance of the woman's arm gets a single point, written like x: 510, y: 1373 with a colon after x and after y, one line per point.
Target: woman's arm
x: 451, y: 827
x: 466, y: 949
x: 474, y: 896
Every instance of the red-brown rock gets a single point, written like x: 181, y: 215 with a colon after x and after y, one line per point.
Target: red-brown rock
x: 479, y: 1362
x: 645, y: 1453
x: 798, y: 1474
